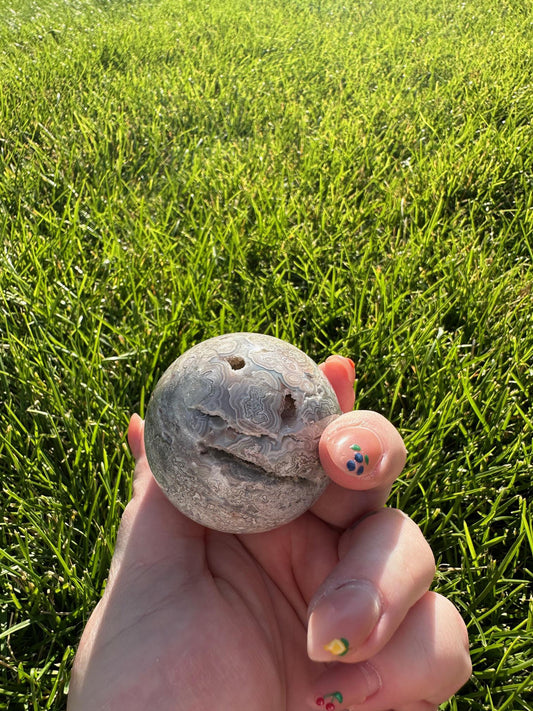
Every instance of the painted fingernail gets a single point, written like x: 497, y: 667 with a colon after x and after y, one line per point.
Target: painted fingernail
x: 347, y: 686
x: 328, y: 701
x: 342, y: 620
x: 356, y: 451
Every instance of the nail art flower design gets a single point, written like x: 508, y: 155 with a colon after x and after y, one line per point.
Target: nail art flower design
x: 322, y: 701
x: 357, y: 463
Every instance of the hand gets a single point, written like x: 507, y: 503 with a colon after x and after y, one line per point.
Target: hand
x: 196, y: 619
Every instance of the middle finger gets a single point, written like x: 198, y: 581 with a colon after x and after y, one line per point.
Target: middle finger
x: 360, y: 605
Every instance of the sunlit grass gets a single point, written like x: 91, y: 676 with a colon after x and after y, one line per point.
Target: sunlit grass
x: 353, y: 178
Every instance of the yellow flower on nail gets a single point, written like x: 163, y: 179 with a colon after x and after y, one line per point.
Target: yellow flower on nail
x: 338, y: 647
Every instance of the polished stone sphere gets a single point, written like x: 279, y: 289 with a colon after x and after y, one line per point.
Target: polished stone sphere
x: 232, y: 431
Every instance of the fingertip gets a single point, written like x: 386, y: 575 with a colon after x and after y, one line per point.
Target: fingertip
x: 340, y: 372
x: 362, y: 450
x: 349, y: 685
x: 136, y: 436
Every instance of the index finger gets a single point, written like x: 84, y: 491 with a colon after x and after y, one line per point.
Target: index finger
x: 360, y: 451
x: 363, y: 454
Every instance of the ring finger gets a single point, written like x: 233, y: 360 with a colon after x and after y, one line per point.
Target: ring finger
x: 424, y: 664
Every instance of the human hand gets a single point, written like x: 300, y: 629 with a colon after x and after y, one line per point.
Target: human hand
x: 194, y: 618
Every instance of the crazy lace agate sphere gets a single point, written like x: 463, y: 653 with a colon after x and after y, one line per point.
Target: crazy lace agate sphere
x: 232, y: 431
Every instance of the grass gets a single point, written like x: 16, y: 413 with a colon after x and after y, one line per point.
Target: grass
x: 353, y: 178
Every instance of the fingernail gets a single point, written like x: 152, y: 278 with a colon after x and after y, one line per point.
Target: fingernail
x: 348, y: 686
x: 355, y: 451
x: 342, y: 620
x: 328, y: 700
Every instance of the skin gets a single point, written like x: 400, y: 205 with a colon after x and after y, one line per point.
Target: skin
x: 193, y: 618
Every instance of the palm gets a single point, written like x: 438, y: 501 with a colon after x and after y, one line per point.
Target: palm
x: 226, y: 610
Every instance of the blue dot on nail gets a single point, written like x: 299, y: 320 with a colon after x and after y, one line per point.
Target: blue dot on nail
x: 360, y: 470
x: 350, y: 464
x: 358, y: 457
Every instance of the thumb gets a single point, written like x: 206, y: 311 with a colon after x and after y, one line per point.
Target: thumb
x: 152, y: 530
x: 142, y: 475
x: 136, y: 436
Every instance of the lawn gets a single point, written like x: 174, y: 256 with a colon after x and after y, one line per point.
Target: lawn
x: 354, y: 178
